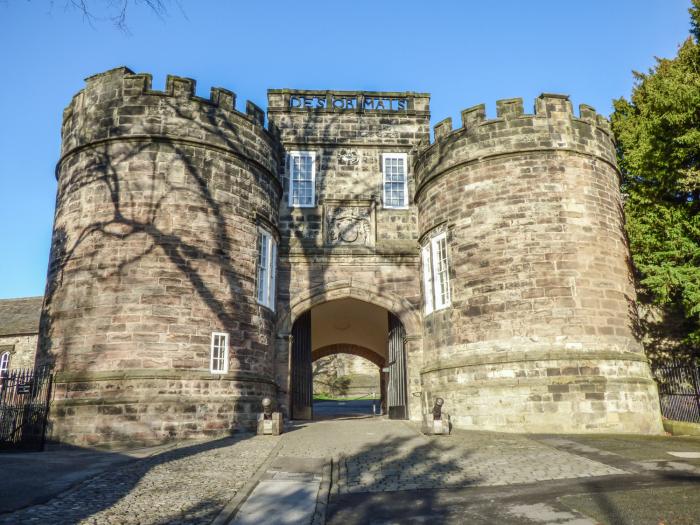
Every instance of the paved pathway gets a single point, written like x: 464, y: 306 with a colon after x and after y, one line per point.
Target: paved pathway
x: 386, y: 472
x: 186, y: 485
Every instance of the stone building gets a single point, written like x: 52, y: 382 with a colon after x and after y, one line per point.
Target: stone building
x: 201, y: 260
x: 19, y: 330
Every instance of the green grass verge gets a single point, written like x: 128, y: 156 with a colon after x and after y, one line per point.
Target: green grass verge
x: 326, y: 397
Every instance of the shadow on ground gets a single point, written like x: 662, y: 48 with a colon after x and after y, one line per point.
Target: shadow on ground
x: 96, y: 482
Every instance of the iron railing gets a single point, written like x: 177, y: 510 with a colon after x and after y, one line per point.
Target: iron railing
x: 24, y: 404
x: 679, y: 390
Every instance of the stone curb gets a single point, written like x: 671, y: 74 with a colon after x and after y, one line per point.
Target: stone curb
x: 681, y: 428
x: 335, y: 486
x: 324, y: 494
x: 229, y: 511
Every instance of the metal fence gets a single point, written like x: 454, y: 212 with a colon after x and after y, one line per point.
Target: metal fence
x: 679, y: 391
x: 24, y: 404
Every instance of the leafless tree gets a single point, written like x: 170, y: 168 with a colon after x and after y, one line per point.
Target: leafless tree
x: 116, y: 11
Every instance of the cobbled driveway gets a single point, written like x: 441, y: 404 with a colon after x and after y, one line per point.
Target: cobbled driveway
x: 382, y: 455
x: 186, y: 485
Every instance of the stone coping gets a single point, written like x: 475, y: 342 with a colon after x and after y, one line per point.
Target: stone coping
x: 529, y: 382
x: 179, y: 399
x: 156, y: 373
x: 291, y: 91
x: 529, y: 356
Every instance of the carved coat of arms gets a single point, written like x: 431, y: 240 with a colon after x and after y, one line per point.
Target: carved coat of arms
x: 347, y: 157
x: 349, y: 225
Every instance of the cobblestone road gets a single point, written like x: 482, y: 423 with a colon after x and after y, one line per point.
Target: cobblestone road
x: 383, y: 455
x: 191, y: 484
x: 186, y: 485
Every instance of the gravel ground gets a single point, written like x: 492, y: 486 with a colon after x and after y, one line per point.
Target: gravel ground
x: 189, y: 484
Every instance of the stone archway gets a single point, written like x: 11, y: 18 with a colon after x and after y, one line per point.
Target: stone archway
x: 400, y: 307
x: 351, y: 349
x: 404, y: 312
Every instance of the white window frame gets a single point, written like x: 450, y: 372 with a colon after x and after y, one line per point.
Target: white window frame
x: 440, y: 301
x: 404, y: 157
x: 433, y: 278
x: 427, y: 279
x: 290, y: 161
x: 214, y: 347
x: 4, y: 364
x: 266, y: 269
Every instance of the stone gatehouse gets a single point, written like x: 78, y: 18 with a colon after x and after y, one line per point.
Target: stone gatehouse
x: 202, y: 259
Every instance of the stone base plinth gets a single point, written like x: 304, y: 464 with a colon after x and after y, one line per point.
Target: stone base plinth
x: 107, y: 410
x: 520, y: 394
x: 436, y: 427
x: 273, y: 426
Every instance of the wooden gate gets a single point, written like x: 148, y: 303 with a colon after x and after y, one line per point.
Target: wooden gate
x: 302, y: 380
x: 397, y: 399
x: 24, y: 407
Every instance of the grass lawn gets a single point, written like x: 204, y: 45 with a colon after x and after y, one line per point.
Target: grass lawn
x: 326, y: 397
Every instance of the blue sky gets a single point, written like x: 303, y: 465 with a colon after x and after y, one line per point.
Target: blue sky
x: 463, y: 52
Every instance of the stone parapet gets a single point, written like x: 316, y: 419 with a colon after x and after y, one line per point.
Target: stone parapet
x: 553, y: 126
x: 121, y: 105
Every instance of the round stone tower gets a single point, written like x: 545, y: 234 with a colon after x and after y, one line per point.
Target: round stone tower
x: 540, y: 334
x: 161, y: 198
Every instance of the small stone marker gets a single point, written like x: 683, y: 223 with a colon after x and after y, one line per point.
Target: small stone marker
x: 439, y: 423
x: 269, y: 422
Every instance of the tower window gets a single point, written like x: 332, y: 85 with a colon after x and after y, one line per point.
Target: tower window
x: 302, y: 178
x: 219, y: 353
x: 394, y: 167
x: 436, y: 274
x: 4, y: 364
x: 267, y: 268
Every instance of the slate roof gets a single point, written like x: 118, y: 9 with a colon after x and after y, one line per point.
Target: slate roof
x: 20, y: 316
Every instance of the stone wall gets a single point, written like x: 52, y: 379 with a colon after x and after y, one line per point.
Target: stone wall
x: 348, y: 144
x: 156, y: 193
x: 22, y: 350
x: 540, y: 335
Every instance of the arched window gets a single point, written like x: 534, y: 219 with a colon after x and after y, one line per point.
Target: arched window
x: 4, y: 363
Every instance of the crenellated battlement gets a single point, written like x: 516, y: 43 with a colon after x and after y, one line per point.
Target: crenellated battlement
x: 552, y: 126
x: 120, y: 103
x: 136, y: 84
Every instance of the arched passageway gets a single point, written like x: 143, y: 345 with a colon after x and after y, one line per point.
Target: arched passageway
x: 355, y: 327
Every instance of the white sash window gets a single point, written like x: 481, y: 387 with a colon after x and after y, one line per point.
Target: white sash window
x: 267, y: 268
x: 394, y: 168
x: 436, y: 274
x: 219, y: 353
x: 302, y: 179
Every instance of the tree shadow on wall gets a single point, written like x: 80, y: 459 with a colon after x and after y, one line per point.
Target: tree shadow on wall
x: 305, y: 232
x: 164, y: 218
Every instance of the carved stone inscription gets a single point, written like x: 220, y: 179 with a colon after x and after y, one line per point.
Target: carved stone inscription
x: 336, y: 101
x: 348, y: 224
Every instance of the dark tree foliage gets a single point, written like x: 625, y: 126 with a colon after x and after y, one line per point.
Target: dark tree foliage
x: 658, y: 140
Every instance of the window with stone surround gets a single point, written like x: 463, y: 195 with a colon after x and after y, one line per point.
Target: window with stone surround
x: 436, y: 273
x: 219, y: 353
x: 394, y: 169
x: 4, y: 363
x: 267, y: 268
x: 302, y: 179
